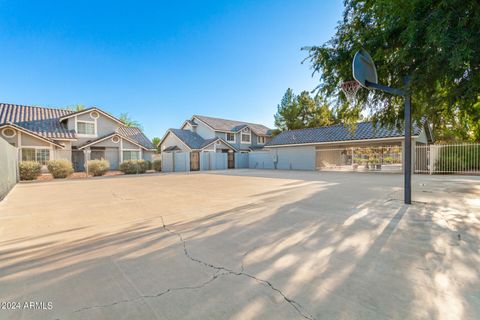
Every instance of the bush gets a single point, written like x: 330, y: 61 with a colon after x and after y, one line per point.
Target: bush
x: 458, y: 158
x: 29, y: 170
x: 98, y: 167
x: 157, y: 165
x: 60, y: 168
x: 133, y: 166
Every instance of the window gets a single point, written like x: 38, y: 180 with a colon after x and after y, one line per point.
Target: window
x: 86, y: 128
x: 131, y: 155
x: 38, y: 155
x: 9, y: 133
x: 245, y: 136
x: 260, y: 140
x: 230, y: 137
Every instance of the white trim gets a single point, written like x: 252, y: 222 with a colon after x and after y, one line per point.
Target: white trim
x: 83, y: 135
x: 91, y: 114
x: 115, y: 136
x: 234, y: 137
x: 121, y: 150
x: 75, y: 114
x: 111, y: 136
x: 219, y: 140
x: 337, y: 142
x: 33, y: 134
x: 7, y: 136
x: 264, y: 140
x: 249, y: 136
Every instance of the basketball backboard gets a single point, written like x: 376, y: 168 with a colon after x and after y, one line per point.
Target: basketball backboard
x: 364, y: 69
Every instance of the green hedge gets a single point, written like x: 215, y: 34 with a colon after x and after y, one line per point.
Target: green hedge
x: 157, y: 165
x: 98, y: 167
x: 29, y: 170
x: 458, y: 158
x: 60, y: 168
x: 133, y: 166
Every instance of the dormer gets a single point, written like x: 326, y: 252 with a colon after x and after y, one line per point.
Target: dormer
x: 190, y: 125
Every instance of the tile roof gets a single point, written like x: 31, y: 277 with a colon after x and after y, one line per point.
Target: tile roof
x: 193, y: 140
x: 233, y: 125
x: 336, y: 133
x: 137, y: 135
x: 40, y: 120
x: 46, y: 123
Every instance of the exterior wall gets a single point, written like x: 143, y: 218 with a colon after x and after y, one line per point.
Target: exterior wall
x: 105, y: 126
x: 12, y: 140
x: 171, y: 140
x: 8, y: 167
x: 204, y: 131
x: 261, y: 160
x: 295, y: 158
x: 422, y: 138
x: 148, y: 155
x: 129, y: 146
x: 29, y: 141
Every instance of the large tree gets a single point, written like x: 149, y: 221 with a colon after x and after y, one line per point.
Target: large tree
x: 437, y: 43
x: 302, y: 111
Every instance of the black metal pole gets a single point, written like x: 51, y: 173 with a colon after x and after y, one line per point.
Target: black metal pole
x: 408, y: 149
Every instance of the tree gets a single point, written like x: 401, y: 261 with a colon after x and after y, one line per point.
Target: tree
x: 76, y: 107
x: 128, y: 121
x: 156, y: 142
x: 302, y: 111
x: 435, y: 42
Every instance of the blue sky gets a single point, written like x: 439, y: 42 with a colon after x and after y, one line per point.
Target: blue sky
x: 161, y: 61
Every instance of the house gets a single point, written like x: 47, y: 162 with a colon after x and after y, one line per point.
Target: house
x: 43, y: 134
x: 363, y: 146
x: 205, y: 143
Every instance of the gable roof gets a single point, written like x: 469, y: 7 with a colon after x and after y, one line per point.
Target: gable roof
x: 39, y: 120
x: 226, y: 125
x: 193, y: 140
x: 136, y: 135
x: 87, y: 110
x: 95, y: 141
x: 338, y: 133
x: 34, y: 134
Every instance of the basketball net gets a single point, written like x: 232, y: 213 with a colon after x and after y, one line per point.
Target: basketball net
x: 350, y: 89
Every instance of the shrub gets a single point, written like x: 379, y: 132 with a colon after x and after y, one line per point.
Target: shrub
x: 157, y: 165
x: 98, y: 167
x: 60, y: 168
x: 458, y: 158
x: 29, y: 170
x: 133, y: 166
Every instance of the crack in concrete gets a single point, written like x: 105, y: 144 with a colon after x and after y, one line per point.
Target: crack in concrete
x: 220, y: 271
x: 297, y: 306
x: 215, y: 276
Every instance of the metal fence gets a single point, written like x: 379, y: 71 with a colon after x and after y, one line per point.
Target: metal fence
x: 448, y: 159
x: 8, y: 167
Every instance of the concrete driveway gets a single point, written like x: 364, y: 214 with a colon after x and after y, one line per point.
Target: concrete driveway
x: 243, y: 244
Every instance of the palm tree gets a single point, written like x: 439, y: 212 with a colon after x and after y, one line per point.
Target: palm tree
x: 128, y: 121
x: 76, y: 108
x: 156, y: 141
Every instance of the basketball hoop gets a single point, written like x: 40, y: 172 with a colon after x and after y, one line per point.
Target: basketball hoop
x: 350, y: 89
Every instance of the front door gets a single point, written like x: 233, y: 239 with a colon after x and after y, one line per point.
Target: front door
x: 78, y: 160
x: 231, y: 160
x: 194, y: 161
